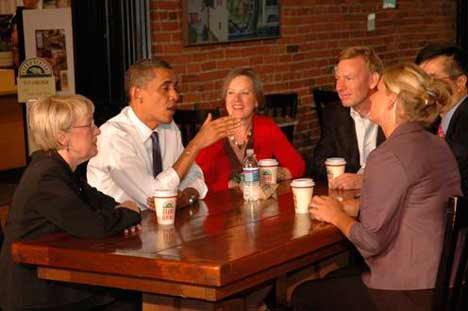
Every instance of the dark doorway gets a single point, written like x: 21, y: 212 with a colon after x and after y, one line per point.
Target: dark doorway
x: 462, y: 24
x: 109, y: 35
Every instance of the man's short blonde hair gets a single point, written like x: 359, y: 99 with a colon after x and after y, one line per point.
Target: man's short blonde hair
x: 50, y: 116
x: 372, y: 60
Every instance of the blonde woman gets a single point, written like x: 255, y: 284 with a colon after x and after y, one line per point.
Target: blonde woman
x: 50, y: 198
x: 407, y: 183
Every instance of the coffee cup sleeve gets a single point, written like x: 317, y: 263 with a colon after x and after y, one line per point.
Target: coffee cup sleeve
x: 267, y: 190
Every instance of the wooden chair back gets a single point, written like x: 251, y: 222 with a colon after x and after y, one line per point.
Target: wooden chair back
x: 323, y: 99
x: 283, y: 109
x: 190, y: 121
x: 280, y: 105
x: 450, y: 292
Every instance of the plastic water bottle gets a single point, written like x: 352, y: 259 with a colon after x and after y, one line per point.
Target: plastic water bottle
x: 251, y: 177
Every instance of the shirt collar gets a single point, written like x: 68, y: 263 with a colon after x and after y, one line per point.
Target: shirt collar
x: 448, y: 116
x: 356, y: 115
x: 143, y: 130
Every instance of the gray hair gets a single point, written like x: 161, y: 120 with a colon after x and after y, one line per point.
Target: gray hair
x: 50, y: 116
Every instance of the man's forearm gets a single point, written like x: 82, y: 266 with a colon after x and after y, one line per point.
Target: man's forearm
x: 186, y: 159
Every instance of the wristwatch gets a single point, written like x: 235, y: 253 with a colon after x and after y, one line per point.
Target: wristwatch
x: 192, y: 199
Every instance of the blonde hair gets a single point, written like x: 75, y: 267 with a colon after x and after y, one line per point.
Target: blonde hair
x: 421, y: 97
x: 372, y: 60
x: 252, y: 75
x: 50, y: 116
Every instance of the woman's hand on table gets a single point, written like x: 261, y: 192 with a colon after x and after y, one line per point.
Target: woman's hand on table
x: 133, y: 229
x: 347, y: 181
x: 325, y: 208
x: 351, y: 207
x: 129, y: 205
x: 134, y: 207
x: 330, y: 210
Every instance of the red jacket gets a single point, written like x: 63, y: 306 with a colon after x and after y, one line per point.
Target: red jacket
x: 268, y: 141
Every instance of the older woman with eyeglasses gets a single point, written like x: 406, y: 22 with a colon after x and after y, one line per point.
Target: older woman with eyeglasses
x: 407, y: 183
x: 222, y: 162
x: 51, y: 198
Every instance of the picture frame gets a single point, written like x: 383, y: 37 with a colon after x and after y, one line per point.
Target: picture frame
x: 389, y: 4
x: 221, y: 21
x: 48, y: 34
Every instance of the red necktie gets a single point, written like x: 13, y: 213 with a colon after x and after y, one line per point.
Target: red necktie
x: 440, y: 132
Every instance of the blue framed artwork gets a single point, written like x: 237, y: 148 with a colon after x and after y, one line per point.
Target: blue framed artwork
x: 217, y: 21
x: 389, y: 4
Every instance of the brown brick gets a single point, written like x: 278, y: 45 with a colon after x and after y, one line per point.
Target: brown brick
x: 319, y: 29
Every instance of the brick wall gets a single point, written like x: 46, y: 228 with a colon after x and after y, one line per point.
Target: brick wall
x: 312, y: 34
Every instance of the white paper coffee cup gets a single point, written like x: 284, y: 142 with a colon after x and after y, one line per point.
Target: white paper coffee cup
x: 335, y: 167
x: 165, y: 205
x: 268, y: 171
x: 303, y: 189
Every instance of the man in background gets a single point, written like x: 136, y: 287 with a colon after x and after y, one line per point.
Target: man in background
x: 347, y: 132
x: 450, y: 63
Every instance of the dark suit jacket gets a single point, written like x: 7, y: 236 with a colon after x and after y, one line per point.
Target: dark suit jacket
x: 48, y: 199
x: 457, y: 139
x: 338, y: 139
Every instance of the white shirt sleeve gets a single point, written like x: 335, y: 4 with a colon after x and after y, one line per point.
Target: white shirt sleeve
x: 123, y: 168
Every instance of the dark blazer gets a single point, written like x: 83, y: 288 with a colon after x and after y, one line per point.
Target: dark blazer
x: 48, y: 199
x: 457, y: 139
x: 1, y: 236
x: 338, y: 139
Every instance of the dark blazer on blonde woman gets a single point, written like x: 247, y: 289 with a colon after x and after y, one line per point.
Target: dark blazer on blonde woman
x: 48, y: 199
x: 407, y: 183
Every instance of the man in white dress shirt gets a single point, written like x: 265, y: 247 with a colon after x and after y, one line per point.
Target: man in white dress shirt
x: 347, y: 132
x: 131, y: 162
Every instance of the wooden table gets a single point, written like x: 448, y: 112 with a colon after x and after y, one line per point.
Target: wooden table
x: 216, y: 249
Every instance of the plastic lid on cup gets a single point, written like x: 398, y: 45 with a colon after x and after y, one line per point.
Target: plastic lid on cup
x: 335, y: 161
x: 268, y: 162
x: 302, y: 183
x: 165, y: 193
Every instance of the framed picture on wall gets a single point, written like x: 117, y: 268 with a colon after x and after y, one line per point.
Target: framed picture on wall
x: 48, y: 34
x: 217, y: 21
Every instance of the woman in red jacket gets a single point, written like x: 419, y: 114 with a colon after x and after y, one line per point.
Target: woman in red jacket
x: 222, y: 162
